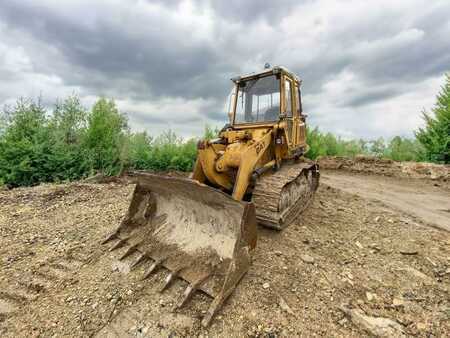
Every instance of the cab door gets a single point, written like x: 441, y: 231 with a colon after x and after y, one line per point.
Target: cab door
x: 299, y: 118
x: 288, y: 109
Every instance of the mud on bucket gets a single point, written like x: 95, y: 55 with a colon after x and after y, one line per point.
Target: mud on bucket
x: 198, y: 233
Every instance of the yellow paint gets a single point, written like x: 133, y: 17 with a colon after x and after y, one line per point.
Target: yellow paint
x: 230, y: 163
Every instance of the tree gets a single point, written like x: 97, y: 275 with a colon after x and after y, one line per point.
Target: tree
x: 435, y: 136
x: 105, y: 136
x: 69, y: 120
x: 25, y: 145
x: 403, y: 149
x: 139, y: 149
x: 3, y: 121
x: 67, y: 128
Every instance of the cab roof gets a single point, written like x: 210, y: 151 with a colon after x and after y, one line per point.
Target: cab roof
x: 272, y: 70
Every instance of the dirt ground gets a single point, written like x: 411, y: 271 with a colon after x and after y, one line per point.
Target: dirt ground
x: 350, y: 250
x: 430, y: 202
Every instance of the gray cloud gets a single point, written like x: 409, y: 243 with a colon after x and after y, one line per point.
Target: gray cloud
x: 252, y: 10
x: 177, y: 56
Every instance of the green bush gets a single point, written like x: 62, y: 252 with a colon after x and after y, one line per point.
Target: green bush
x: 435, y: 136
x: 329, y: 145
x: 105, y: 137
x: 169, y: 152
x: 139, y: 150
x: 67, y: 130
x: 404, y: 149
x: 25, y: 145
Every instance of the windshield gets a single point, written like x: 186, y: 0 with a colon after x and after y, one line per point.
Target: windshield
x: 258, y: 100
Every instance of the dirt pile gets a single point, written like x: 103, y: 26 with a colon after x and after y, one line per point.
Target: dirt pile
x: 380, y: 166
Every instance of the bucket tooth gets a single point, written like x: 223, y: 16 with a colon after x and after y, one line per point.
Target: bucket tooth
x: 189, y: 292
x: 187, y: 295
x: 157, y: 263
x: 213, y: 308
x: 129, y: 251
x: 119, y: 243
x: 141, y: 258
x: 109, y: 238
x: 169, y: 279
x: 236, y: 271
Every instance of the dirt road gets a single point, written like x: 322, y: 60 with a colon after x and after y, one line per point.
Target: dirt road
x: 56, y: 280
x: 424, y: 200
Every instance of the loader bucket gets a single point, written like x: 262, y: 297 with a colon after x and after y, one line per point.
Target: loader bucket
x: 198, y: 233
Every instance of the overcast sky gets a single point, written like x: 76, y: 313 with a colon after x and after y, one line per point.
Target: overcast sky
x: 368, y: 67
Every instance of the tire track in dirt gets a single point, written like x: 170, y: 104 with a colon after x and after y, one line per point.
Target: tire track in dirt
x: 40, y: 279
x: 428, y: 202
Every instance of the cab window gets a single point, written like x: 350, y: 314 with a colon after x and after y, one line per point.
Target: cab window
x: 288, y: 97
x: 258, y: 100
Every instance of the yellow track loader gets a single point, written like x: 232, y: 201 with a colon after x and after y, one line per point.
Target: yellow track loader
x: 202, y: 229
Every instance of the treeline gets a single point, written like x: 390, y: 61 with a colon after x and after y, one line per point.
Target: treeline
x: 69, y: 142
x: 398, y: 148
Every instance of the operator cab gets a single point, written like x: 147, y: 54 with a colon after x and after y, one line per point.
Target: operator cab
x: 269, y: 99
x: 264, y: 98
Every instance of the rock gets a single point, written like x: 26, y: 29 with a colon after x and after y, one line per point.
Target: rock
x: 349, y: 281
x: 343, y: 321
x: 370, y: 296
x: 266, y: 285
x: 397, y: 302
x: 278, y: 253
x: 421, y: 326
x: 408, y: 250
x: 432, y: 263
x: 377, y: 326
x: 307, y: 259
x: 359, y: 245
x: 284, y: 306
x: 6, y: 308
x: 377, y: 219
x: 375, y: 247
x: 420, y: 275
